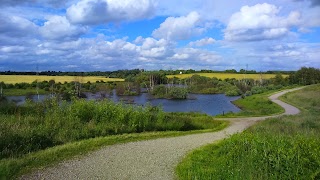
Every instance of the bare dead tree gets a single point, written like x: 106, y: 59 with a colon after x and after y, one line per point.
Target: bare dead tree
x: 37, y: 83
x: 77, y: 85
x: 52, y: 83
x: 146, y: 87
x: 151, y: 79
x: 1, y: 88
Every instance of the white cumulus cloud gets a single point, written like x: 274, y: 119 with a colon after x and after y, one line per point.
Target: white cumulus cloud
x: 193, y: 58
x: 16, y: 26
x: 104, y: 11
x: 152, y: 48
x: 260, y: 22
x: 202, y: 42
x: 58, y: 27
x: 181, y: 28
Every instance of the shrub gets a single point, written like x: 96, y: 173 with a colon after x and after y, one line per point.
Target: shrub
x: 159, y: 91
x: 178, y: 93
x: 232, y: 92
x: 258, y: 90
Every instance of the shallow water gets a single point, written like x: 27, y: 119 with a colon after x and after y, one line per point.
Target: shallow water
x: 211, y: 104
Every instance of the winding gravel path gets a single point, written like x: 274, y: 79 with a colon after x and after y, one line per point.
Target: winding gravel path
x: 151, y: 159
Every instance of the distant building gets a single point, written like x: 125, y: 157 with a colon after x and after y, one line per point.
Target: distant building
x: 180, y: 72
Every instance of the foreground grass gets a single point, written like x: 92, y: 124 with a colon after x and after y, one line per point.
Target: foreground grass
x: 39, y: 134
x: 35, y: 126
x: 278, y: 148
x: 12, y: 79
x: 14, y: 167
x: 227, y: 75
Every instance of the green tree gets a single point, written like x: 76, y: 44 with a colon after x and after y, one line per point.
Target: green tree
x: 305, y: 76
x: 178, y: 93
x: 278, y: 80
x: 159, y: 91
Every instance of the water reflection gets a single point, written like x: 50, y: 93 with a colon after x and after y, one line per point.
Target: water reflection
x: 211, y: 104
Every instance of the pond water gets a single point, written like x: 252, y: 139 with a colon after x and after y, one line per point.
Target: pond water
x: 19, y: 100
x: 211, y: 104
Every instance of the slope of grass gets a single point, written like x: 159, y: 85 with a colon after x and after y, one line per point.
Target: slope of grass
x: 38, y: 134
x: 12, y: 79
x: 278, y: 148
x: 14, y: 167
x: 227, y: 75
x: 255, y: 105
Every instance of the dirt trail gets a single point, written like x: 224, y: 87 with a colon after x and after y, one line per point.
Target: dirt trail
x: 151, y: 159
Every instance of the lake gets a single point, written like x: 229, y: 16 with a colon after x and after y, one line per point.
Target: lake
x: 211, y: 104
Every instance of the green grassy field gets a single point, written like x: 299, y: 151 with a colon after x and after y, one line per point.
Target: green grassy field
x: 227, y: 75
x: 12, y: 79
x: 254, y: 106
x: 279, y: 148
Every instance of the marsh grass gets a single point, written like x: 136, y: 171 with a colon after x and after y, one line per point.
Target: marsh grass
x: 38, y: 134
x: 36, y: 126
x: 278, y: 148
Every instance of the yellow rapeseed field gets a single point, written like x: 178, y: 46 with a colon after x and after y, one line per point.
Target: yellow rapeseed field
x: 12, y: 79
x: 227, y: 75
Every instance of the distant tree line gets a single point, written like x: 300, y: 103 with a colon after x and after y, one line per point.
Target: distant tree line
x: 305, y: 76
x: 133, y: 72
x: 114, y: 74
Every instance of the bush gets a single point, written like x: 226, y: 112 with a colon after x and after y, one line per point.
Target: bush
x: 248, y: 93
x: 232, y: 93
x: 159, y: 91
x: 258, y: 90
x: 209, y: 91
x: 178, y: 93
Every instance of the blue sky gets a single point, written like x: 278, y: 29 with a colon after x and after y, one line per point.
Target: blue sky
x: 102, y: 35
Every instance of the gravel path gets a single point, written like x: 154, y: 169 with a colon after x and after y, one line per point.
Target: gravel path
x: 151, y: 159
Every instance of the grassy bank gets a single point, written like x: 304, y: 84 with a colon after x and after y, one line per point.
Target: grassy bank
x: 255, y: 105
x: 14, y: 167
x: 278, y: 148
x: 38, y: 134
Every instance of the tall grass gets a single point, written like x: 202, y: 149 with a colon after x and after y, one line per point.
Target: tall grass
x: 36, y: 126
x: 278, y: 148
x: 37, y: 135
